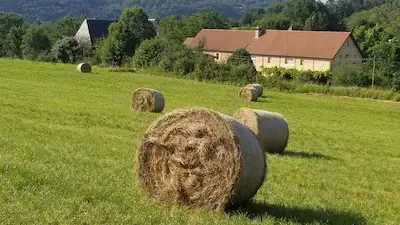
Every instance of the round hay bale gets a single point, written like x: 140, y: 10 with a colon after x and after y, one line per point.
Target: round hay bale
x: 147, y: 100
x: 199, y: 158
x: 84, y: 68
x: 249, y: 94
x: 258, y: 87
x: 271, y: 128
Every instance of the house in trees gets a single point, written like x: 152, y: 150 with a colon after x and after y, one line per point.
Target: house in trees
x: 291, y: 49
x: 92, y: 30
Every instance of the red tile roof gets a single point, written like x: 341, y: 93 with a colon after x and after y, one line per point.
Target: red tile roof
x: 187, y: 41
x: 311, y: 44
x: 223, y: 40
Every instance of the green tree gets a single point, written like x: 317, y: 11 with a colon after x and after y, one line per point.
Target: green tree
x: 251, y: 15
x: 274, y: 21
x: 35, y: 43
x: 150, y: 53
x: 13, y: 42
x: 7, y: 21
x: 171, y: 27
x: 126, y: 35
x: 67, y: 26
x: 317, y: 21
x: 67, y: 50
x: 276, y: 7
x: 240, y: 56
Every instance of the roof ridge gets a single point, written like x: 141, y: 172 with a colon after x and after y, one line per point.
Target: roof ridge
x: 228, y: 30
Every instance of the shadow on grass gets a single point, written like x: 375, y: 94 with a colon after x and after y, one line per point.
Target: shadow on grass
x: 258, y: 211
x: 263, y: 100
x: 307, y: 155
x: 268, y: 96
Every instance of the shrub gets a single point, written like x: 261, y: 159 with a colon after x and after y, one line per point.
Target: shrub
x: 240, y: 56
x: 320, y: 77
x: 149, y: 53
x: 67, y: 50
x: 243, y: 73
x: 178, y: 59
x: 346, y: 76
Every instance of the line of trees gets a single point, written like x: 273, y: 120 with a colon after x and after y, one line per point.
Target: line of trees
x: 375, y: 26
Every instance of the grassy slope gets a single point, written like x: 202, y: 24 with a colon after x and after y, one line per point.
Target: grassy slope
x: 68, y: 141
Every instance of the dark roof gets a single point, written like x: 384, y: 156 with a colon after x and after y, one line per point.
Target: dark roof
x: 98, y: 28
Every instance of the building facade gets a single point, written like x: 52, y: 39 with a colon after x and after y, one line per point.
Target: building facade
x: 301, y: 50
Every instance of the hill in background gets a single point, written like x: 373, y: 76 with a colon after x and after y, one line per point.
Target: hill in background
x: 50, y: 10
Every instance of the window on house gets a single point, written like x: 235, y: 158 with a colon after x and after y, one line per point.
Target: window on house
x: 269, y: 59
x: 348, y: 43
x: 301, y: 62
x: 289, y: 60
x: 253, y: 57
x: 217, y: 56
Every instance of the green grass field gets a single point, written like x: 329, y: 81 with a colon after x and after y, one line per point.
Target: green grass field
x: 68, y: 143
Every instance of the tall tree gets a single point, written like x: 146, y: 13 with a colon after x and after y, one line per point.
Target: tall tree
x: 126, y: 35
x: 67, y: 26
x: 13, y: 42
x: 7, y: 21
x: 35, y: 42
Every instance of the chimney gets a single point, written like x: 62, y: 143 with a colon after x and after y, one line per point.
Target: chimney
x: 259, y: 32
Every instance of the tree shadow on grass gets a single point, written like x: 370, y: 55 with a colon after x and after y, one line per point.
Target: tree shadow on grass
x: 258, y: 211
x: 307, y: 155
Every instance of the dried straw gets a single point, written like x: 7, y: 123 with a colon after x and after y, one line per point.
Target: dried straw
x: 271, y: 128
x: 258, y: 87
x: 84, y: 68
x: 147, y: 100
x: 249, y: 94
x: 200, y: 158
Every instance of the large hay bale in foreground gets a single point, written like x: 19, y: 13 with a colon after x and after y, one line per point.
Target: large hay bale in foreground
x: 249, y: 94
x: 258, y: 87
x: 200, y: 158
x: 147, y: 100
x: 84, y: 68
x: 271, y: 128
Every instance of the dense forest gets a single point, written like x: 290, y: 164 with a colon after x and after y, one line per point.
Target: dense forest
x: 50, y: 10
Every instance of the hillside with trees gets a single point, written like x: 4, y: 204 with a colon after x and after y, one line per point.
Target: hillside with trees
x: 50, y: 10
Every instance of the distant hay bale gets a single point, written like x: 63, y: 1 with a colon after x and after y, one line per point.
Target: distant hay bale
x: 258, y: 87
x: 271, y: 128
x: 147, y: 100
x: 84, y: 68
x: 249, y: 94
x: 200, y: 158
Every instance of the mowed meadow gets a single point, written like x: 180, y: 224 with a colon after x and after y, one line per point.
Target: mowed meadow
x: 68, y: 143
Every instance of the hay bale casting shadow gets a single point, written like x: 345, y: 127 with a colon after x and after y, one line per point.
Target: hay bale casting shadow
x: 147, y: 100
x: 307, y: 155
x: 271, y: 128
x: 84, y: 68
x: 200, y: 158
x: 248, y: 94
x: 258, y: 87
x: 257, y: 211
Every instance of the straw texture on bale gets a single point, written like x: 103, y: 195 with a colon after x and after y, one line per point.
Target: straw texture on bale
x: 258, y: 87
x: 200, y: 158
x: 147, y: 100
x: 84, y: 68
x: 249, y: 94
x: 271, y: 128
